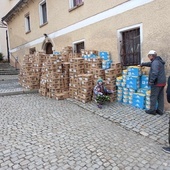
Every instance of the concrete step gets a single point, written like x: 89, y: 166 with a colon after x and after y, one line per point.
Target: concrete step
x: 7, y: 69
x: 9, y: 73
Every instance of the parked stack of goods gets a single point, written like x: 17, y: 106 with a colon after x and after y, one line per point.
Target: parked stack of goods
x: 106, y: 63
x: 64, y: 74
x: 30, y: 72
x: 98, y: 73
x: 67, y: 53
x: 54, y: 83
x: 110, y: 81
x: 89, y: 54
x: 76, y: 68
x: 93, y: 54
x: 132, y: 87
x: 85, y: 87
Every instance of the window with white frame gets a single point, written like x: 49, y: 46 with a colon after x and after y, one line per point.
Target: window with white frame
x: 43, y: 12
x: 129, y: 45
x: 27, y: 23
x: 78, y: 46
x: 32, y: 50
x: 74, y: 3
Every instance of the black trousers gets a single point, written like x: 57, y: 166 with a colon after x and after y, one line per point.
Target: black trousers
x: 169, y: 132
x: 157, y: 97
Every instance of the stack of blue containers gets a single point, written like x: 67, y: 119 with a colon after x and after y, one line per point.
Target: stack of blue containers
x: 89, y: 56
x: 106, y: 63
x: 134, y: 87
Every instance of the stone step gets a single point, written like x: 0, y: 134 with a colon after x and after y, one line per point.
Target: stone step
x: 7, y: 69
x: 10, y: 73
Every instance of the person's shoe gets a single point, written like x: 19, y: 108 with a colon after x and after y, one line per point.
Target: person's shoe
x: 166, y: 149
x: 151, y: 112
x: 159, y: 112
x: 99, y: 106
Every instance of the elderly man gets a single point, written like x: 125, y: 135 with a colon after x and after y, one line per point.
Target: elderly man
x: 157, y: 81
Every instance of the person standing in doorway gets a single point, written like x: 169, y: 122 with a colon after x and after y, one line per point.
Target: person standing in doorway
x: 167, y: 149
x: 157, y: 81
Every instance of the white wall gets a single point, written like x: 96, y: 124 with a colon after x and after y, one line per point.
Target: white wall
x: 5, y: 7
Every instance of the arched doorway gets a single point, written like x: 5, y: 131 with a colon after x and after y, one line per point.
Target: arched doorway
x: 49, y: 48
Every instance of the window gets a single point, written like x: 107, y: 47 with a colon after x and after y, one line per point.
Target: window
x: 43, y: 12
x: 130, y: 49
x: 32, y: 50
x: 27, y: 23
x: 78, y: 47
x: 129, y: 45
x: 75, y: 3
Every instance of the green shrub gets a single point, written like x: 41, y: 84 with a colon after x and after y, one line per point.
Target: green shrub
x: 1, y: 57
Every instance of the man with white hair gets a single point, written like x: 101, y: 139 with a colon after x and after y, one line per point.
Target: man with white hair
x: 157, y: 81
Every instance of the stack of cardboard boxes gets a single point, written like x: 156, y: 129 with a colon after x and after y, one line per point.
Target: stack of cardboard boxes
x: 65, y: 74
x: 30, y: 72
x: 54, y: 82
x: 110, y: 78
x: 85, y: 87
x: 76, y: 68
x: 95, y: 68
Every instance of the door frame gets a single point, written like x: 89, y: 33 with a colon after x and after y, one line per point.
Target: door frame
x: 120, y: 37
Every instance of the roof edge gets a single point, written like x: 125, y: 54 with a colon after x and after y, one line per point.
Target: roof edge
x: 14, y: 10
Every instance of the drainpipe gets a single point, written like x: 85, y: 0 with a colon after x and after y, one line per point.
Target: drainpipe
x: 7, y: 43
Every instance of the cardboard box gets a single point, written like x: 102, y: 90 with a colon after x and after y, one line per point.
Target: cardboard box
x: 96, y: 65
x: 60, y: 96
x: 97, y: 60
x: 78, y: 60
x: 118, y: 72
x: 116, y: 65
x: 85, y: 77
x: 99, y: 71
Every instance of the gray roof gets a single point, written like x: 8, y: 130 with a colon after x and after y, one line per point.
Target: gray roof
x: 15, y: 10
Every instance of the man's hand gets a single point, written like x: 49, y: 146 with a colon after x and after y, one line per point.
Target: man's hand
x: 150, y: 83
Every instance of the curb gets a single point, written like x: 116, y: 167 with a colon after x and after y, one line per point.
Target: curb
x: 18, y: 93
x: 7, y: 80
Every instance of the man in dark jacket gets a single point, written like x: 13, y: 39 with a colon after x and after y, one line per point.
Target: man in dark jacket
x: 157, y: 81
x: 167, y: 149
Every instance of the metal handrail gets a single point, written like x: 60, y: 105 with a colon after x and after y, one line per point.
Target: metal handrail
x: 16, y: 60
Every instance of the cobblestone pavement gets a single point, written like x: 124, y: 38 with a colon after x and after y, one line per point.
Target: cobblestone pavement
x: 154, y: 127
x: 8, y: 77
x: 41, y: 133
x: 9, y: 85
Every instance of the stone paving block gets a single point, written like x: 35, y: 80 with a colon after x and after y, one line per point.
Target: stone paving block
x: 63, y: 134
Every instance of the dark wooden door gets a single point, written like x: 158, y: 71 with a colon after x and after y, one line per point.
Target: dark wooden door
x: 130, y: 48
x: 49, y: 47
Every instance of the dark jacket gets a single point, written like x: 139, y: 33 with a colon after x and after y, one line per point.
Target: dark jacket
x: 168, y: 90
x: 157, y: 71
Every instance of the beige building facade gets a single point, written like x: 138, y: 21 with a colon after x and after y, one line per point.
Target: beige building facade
x: 128, y: 29
x: 5, y: 6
